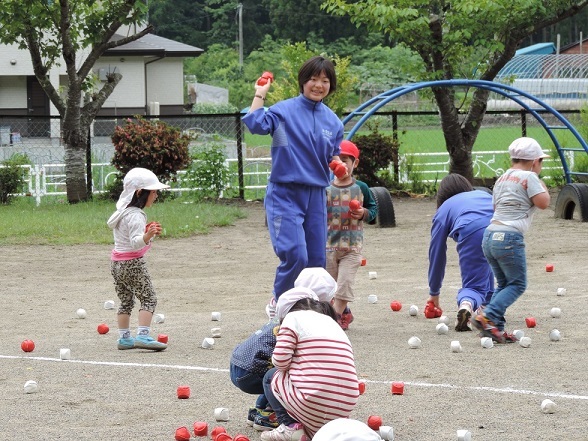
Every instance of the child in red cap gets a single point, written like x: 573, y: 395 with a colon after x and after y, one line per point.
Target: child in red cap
x: 349, y: 204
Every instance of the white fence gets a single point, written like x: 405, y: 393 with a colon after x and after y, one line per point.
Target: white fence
x: 49, y: 179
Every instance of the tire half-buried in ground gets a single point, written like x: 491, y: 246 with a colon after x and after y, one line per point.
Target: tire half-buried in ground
x: 570, y: 198
x: 385, y: 217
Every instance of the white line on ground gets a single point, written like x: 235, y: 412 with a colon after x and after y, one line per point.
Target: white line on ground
x: 201, y: 368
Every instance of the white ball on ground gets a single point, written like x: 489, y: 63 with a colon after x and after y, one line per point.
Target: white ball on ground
x: 444, y: 319
x: 554, y: 335
x: 548, y: 406
x: 555, y: 312
x: 455, y: 346
x: 413, y: 310
x: 109, y: 304
x: 159, y: 318
x: 486, y: 342
x: 518, y: 334
x: 30, y: 387
x: 81, y: 313
x: 525, y: 342
x: 442, y: 329
x: 414, y: 342
x: 561, y: 291
x: 464, y: 435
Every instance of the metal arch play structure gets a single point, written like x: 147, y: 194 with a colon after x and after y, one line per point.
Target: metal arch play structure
x: 571, y: 196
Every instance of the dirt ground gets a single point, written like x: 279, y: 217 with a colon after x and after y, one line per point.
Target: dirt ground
x: 106, y: 394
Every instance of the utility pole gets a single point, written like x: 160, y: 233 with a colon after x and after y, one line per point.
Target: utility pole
x: 240, y: 12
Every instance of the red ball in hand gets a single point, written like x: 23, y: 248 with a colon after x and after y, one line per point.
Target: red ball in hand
x: 354, y: 205
x: 27, y: 345
x: 265, y: 77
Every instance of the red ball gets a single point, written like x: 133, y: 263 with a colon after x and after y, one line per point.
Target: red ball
x: 103, y: 328
x: 354, y: 205
x: 395, y: 305
x: 397, y: 388
x: 162, y: 338
x: 240, y: 437
x: 182, y: 434
x: 361, y: 387
x: 200, y: 428
x: 216, y: 431
x: 549, y: 268
x: 183, y: 392
x: 265, y: 77
x: 363, y: 261
x: 223, y: 436
x: 531, y: 322
x: 374, y: 422
x: 27, y: 345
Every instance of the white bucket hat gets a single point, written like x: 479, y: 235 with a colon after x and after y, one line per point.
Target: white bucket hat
x: 527, y: 149
x: 343, y: 429
x: 138, y: 179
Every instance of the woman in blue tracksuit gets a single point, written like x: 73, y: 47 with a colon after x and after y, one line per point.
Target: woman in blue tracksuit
x: 463, y: 215
x: 305, y: 138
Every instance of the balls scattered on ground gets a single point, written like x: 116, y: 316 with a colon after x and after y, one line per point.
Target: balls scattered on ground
x: 531, y: 322
x: 28, y: 345
x: 109, y: 304
x: 81, y: 313
x: 464, y: 435
x: 182, y: 434
x: 555, y: 312
x: 414, y: 342
x: 554, y: 335
x: 372, y: 298
x: 442, y: 329
x: 159, y: 318
x: 216, y: 316
x: 518, y: 334
x: 486, y: 342
x: 548, y: 406
x: 64, y: 353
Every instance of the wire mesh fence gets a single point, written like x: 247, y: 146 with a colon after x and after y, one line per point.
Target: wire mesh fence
x: 422, y: 147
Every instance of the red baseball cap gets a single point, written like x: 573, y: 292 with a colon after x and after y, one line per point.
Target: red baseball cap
x: 349, y: 149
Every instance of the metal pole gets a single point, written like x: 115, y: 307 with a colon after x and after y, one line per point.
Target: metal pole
x: 240, y: 12
x: 240, y: 166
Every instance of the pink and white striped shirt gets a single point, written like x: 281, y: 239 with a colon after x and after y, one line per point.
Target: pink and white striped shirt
x: 316, y: 380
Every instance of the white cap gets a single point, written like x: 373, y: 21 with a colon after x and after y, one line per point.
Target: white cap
x: 138, y: 179
x: 527, y: 149
x: 343, y: 429
x: 319, y: 280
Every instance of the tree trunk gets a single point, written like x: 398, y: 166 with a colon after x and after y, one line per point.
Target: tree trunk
x: 75, y: 173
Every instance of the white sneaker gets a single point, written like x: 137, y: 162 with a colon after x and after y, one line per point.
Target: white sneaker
x: 285, y: 433
x: 462, y: 323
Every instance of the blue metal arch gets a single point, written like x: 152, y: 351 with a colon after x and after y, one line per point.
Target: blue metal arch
x: 367, y: 109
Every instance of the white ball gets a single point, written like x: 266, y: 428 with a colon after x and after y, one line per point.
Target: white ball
x: 414, y: 342
x: 30, y: 387
x: 81, y: 313
x: 525, y: 342
x: 413, y: 310
x: 518, y: 334
x: 464, y: 435
x: 554, y: 335
x: 109, y: 304
x: 208, y: 343
x: 372, y: 298
x: 216, y: 316
x: 548, y: 406
x: 561, y: 291
x: 444, y: 319
x: 555, y: 312
x: 486, y: 342
x: 442, y: 329
x: 64, y: 353
x: 455, y: 346
x: 159, y: 318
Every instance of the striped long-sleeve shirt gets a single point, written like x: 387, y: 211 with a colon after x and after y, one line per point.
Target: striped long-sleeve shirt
x: 316, y: 380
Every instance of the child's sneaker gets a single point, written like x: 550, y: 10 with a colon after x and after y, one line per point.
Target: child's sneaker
x: 270, y: 308
x: 345, y: 319
x: 126, y: 343
x: 464, y: 314
x: 148, y: 342
x: 432, y: 311
x: 264, y: 423
x: 285, y: 433
x: 488, y: 329
x: 254, y: 412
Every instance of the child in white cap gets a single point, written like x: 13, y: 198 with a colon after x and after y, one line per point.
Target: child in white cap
x: 252, y: 358
x: 517, y: 195
x: 132, y: 239
x: 314, y: 379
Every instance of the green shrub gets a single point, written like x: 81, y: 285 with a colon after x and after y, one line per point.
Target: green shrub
x: 208, y: 174
x: 377, y: 152
x: 11, y: 181
x: 152, y: 144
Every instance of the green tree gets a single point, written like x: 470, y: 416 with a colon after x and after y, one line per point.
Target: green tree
x: 458, y: 39
x: 55, y: 30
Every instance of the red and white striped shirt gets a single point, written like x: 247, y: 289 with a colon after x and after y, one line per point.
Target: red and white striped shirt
x: 316, y: 380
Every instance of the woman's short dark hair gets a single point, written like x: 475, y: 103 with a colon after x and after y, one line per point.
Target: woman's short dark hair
x: 314, y: 66
x: 309, y: 304
x: 451, y: 185
x: 139, y: 199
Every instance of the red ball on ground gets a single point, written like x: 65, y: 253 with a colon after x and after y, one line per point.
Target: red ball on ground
x: 240, y: 437
x: 374, y: 422
x: 27, y: 345
x: 215, y: 431
x: 549, y: 268
x: 103, y: 328
x: 531, y: 322
x: 363, y: 261
x: 395, y: 305
x: 223, y: 437
x: 162, y: 338
x: 182, y: 434
x: 397, y: 388
x: 200, y: 428
x: 183, y: 392
x: 361, y: 387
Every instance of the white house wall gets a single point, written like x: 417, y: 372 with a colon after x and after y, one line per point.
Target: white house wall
x: 130, y: 92
x: 13, y: 92
x: 165, y: 81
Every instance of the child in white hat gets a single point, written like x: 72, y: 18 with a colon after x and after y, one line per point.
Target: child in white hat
x: 132, y: 239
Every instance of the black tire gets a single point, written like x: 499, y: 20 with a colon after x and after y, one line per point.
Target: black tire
x: 386, y: 217
x: 486, y: 189
x: 570, y: 197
